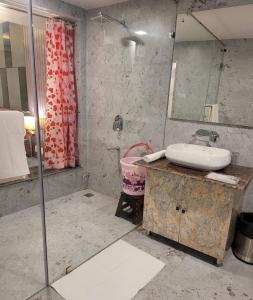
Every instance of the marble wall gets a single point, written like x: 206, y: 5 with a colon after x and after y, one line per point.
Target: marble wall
x: 119, y: 82
x: 139, y: 90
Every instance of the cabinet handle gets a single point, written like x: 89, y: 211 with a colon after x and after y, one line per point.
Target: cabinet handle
x: 178, y: 207
x: 183, y: 211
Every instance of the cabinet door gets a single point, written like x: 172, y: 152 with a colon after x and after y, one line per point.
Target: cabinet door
x: 205, y: 224
x: 162, y: 199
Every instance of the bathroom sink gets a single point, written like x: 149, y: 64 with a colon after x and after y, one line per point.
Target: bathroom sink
x: 198, y: 157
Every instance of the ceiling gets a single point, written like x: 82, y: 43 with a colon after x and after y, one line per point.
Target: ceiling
x: 228, y: 23
x: 89, y: 4
x: 189, y: 30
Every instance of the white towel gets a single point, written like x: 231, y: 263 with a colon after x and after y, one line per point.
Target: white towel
x: 223, y: 177
x: 155, y: 156
x: 13, y: 161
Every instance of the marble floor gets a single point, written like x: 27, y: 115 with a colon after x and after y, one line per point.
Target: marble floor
x: 47, y: 293
x: 78, y: 227
x: 189, y: 278
x: 185, y: 277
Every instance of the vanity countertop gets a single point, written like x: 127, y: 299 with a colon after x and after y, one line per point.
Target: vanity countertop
x: 244, y: 173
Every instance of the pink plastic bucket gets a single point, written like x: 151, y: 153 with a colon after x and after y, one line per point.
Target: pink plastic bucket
x: 133, y: 177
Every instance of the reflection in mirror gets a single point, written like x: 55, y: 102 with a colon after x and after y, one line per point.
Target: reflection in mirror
x: 21, y: 254
x: 211, y: 79
x: 15, y: 77
x: 197, y: 66
x: 234, y: 26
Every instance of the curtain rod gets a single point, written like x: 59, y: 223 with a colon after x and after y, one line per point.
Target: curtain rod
x: 62, y: 19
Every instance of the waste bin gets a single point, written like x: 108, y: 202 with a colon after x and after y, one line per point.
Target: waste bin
x: 243, y: 243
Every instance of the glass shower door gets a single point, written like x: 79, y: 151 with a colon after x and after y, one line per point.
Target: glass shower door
x: 22, y: 269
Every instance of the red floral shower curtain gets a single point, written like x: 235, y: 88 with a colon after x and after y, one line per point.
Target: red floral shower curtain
x: 61, y: 102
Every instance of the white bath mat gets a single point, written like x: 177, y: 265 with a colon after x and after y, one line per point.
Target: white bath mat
x: 116, y: 273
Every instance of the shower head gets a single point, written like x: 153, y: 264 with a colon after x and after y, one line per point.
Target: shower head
x: 103, y: 18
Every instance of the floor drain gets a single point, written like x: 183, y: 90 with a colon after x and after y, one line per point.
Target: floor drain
x: 88, y: 195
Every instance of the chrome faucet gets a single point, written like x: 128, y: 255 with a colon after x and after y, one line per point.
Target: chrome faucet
x: 212, y: 136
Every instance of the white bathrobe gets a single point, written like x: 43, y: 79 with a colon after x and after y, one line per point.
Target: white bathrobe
x: 13, y: 161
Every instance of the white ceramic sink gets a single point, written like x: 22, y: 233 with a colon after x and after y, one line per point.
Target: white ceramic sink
x: 198, y: 157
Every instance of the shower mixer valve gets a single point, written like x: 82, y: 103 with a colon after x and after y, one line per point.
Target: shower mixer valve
x: 118, y: 123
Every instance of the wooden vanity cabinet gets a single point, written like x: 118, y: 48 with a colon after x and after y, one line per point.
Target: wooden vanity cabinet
x: 184, y: 206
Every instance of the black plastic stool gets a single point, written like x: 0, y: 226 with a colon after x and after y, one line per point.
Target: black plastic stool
x: 130, y: 208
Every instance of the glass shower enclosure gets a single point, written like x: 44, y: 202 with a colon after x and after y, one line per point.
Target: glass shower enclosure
x: 50, y: 222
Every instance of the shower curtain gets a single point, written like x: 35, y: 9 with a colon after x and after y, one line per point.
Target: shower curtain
x: 61, y: 101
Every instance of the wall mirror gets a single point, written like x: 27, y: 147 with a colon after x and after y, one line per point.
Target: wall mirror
x: 212, y: 70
